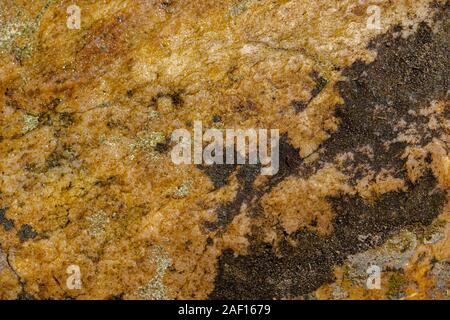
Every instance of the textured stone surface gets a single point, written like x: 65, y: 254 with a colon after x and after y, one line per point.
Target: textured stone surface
x: 86, y: 177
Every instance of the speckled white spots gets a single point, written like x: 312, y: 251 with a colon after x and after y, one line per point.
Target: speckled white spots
x: 3, y: 261
x: 97, y: 223
x: 395, y: 253
x: 29, y: 123
x: 155, y: 288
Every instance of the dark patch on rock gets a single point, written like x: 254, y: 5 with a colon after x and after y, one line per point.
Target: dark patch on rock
x: 227, y: 211
x: 66, y: 119
x: 7, y: 224
x: 58, y: 120
x: 54, y: 103
x: 393, y: 211
x: 117, y: 296
x: 405, y: 77
x: 321, y: 82
x: 298, y: 270
x: 165, y: 4
x: 299, y: 106
x: 163, y: 147
x: 289, y: 161
x: 111, y: 180
x: 60, y: 154
x: 26, y: 232
x: 176, y: 99
x: 218, y: 173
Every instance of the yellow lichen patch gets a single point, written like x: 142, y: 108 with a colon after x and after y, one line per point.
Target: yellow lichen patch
x: 301, y: 203
x: 235, y: 237
x: 371, y: 187
x: 441, y: 163
x: 10, y: 285
x: 415, y: 163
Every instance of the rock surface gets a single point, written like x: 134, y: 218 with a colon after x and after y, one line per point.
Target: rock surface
x: 87, y: 180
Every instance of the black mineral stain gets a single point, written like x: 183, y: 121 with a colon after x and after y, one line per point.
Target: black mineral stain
x: 218, y: 173
x: 299, y: 106
x: 7, y: 224
x: 299, y: 270
x: 226, y: 212
x: 26, y: 232
x: 406, y: 76
x: 289, y: 161
x: 321, y: 82
x: 163, y: 147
